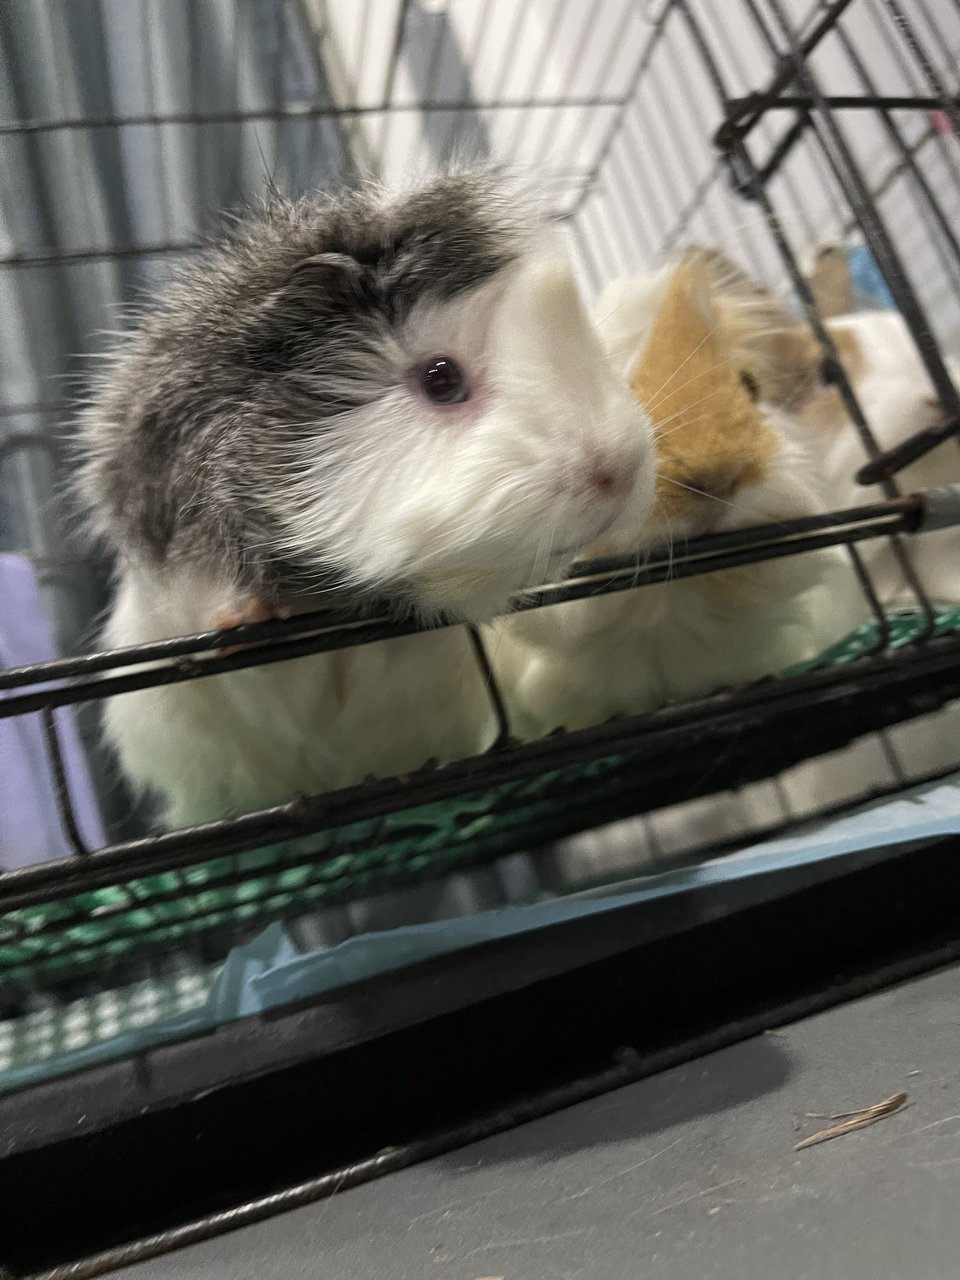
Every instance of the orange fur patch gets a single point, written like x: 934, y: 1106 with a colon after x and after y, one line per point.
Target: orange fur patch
x: 709, y: 431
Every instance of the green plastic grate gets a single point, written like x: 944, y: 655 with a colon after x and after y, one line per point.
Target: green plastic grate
x: 98, y: 930
x: 904, y: 627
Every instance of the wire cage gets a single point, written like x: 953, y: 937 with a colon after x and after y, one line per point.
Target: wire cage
x: 763, y: 128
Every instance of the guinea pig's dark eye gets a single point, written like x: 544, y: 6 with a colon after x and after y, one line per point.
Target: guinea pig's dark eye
x: 443, y: 381
x: 750, y: 385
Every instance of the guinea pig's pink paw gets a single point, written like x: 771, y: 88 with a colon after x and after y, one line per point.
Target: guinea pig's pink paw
x: 252, y: 609
x: 249, y: 610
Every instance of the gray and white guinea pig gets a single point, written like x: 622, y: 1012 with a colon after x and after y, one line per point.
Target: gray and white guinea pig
x: 374, y: 393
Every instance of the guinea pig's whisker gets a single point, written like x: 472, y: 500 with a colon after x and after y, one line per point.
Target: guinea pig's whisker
x: 722, y: 364
x: 643, y: 559
x: 670, y: 557
x: 545, y: 550
x: 548, y: 542
x: 658, y: 432
x: 654, y: 399
x: 700, y: 492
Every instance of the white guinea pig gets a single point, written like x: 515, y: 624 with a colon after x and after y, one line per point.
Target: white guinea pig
x: 897, y: 398
x: 725, y: 460
x: 348, y: 397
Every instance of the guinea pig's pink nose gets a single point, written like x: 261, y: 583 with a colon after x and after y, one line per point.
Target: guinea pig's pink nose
x: 607, y: 477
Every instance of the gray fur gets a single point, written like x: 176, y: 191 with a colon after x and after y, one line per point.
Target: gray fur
x: 204, y: 404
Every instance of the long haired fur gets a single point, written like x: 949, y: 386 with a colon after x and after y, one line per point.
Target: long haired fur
x: 897, y: 398
x: 725, y: 460
x: 264, y: 434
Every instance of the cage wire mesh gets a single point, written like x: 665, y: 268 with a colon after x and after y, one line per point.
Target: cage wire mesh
x: 763, y: 128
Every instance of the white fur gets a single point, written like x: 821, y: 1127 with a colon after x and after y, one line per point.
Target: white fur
x: 580, y: 663
x: 464, y: 505
x: 262, y: 735
x: 897, y: 398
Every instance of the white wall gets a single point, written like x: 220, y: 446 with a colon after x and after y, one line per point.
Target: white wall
x: 661, y: 183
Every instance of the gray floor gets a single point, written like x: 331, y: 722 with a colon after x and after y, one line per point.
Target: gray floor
x: 690, y: 1175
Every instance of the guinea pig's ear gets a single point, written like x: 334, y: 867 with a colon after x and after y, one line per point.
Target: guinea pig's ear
x: 830, y: 281
x: 775, y: 357
x: 686, y: 334
x: 323, y: 278
x: 722, y: 274
x: 823, y: 410
x: 777, y: 354
x: 314, y: 294
x: 789, y: 364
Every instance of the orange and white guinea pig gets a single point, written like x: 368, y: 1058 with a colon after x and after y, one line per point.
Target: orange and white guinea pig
x: 695, y: 346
